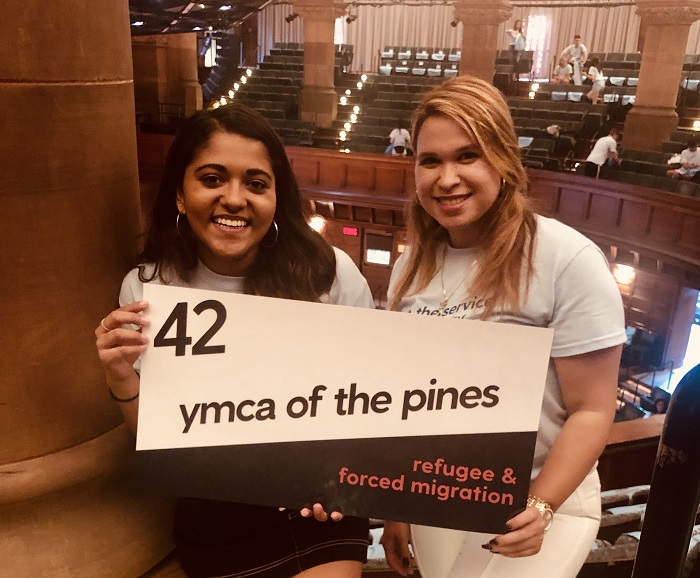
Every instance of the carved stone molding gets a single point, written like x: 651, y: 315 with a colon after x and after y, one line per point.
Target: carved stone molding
x: 669, y: 11
x: 482, y: 12
x: 319, y: 9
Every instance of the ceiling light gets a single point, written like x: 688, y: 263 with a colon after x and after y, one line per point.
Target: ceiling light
x: 197, y: 28
x: 225, y: 7
x: 137, y: 23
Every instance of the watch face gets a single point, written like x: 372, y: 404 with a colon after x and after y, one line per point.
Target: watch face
x: 548, y: 516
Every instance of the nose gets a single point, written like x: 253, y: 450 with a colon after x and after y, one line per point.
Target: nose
x: 232, y: 195
x: 449, y: 176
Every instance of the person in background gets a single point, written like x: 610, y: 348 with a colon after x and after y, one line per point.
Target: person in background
x: 516, y: 45
x: 577, y: 55
x: 473, y: 238
x: 604, y: 150
x: 596, y: 76
x: 562, y: 72
x: 399, y: 140
x: 690, y: 162
x: 229, y: 217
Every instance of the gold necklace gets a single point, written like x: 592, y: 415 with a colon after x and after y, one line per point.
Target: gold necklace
x: 445, y: 296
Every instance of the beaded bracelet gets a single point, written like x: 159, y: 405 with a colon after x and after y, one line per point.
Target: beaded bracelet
x: 122, y: 400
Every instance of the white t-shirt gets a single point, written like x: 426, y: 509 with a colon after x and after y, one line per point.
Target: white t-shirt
x: 563, y: 70
x: 601, y: 150
x: 572, y: 291
x: 572, y: 52
x: 690, y: 157
x: 349, y: 286
x: 597, y: 75
x: 399, y: 136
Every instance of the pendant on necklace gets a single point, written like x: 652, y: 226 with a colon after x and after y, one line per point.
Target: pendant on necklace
x: 443, y: 303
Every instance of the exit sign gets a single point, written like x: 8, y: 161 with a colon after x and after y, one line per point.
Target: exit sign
x: 350, y: 231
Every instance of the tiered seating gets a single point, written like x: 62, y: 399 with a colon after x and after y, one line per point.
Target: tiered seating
x: 419, y: 61
x: 648, y: 169
x: 273, y: 88
x: 394, y: 98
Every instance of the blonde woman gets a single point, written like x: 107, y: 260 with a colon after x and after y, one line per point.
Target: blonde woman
x: 473, y: 237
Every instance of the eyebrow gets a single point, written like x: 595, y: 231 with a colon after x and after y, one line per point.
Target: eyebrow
x: 223, y: 169
x: 469, y: 148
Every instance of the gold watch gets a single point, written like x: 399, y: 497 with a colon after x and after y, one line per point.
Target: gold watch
x: 544, y: 509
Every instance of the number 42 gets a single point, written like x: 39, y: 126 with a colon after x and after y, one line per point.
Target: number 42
x: 178, y: 320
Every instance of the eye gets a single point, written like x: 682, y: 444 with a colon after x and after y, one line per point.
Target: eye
x: 429, y: 162
x: 258, y: 185
x: 210, y: 180
x: 467, y: 156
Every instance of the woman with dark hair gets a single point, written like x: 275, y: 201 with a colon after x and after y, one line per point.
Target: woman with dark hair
x: 473, y: 238
x: 229, y: 217
x: 516, y: 44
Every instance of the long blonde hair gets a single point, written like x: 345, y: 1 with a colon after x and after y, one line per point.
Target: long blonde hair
x: 509, y: 225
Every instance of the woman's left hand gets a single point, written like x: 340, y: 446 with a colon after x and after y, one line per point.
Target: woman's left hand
x: 319, y: 512
x: 525, y: 537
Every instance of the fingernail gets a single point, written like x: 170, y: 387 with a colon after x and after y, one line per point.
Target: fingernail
x: 509, y: 528
x: 486, y: 546
x: 494, y: 542
x: 335, y: 516
x: 405, y: 562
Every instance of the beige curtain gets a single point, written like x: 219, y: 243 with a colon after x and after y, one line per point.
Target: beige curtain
x: 601, y: 30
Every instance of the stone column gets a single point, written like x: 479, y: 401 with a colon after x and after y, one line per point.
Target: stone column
x: 653, y: 117
x: 165, y: 71
x: 480, y: 41
x: 70, y: 222
x: 319, y: 101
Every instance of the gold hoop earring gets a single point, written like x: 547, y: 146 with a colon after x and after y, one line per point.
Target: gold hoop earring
x: 277, y: 235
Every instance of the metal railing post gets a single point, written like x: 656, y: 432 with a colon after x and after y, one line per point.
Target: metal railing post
x: 675, y: 486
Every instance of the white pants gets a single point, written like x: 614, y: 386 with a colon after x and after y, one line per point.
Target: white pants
x: 443, y: 553
x: 564, y: 550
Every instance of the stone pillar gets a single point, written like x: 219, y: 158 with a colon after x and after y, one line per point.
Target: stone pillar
x: 653, y: 117
x: 319, y: 100
x: 70, y: 222
x: 480, y: 41
x: 165, y: 72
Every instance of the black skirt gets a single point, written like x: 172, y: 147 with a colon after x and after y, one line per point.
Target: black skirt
x: 225, y: 539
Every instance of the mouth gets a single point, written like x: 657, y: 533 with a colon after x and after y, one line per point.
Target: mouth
x: 452, y: 200
x: 231, y: 223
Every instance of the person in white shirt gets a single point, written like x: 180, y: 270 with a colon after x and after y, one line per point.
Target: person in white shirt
x: 229, y: 217
x: 596, y: 76
x: 400, y: 139
x: 562, y: 72
x: 476, y: 250
x: 516, y: 44
x: 576, y: 54
x: 605, y: 148
x: 690, y: 162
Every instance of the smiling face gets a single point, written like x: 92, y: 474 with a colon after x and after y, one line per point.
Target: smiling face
x: 455, y: 184
x: 228, y: 196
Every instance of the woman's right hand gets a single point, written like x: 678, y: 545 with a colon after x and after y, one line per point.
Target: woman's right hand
x: 395, y: 540
x: 119, y: 347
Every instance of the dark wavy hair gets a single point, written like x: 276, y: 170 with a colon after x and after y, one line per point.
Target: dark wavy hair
x: 299, y: 265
